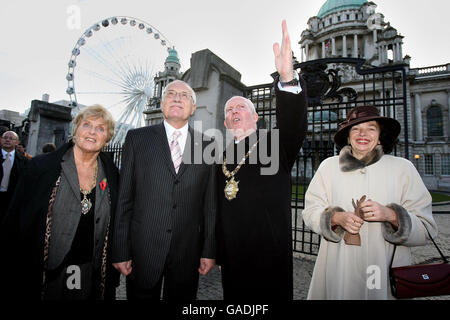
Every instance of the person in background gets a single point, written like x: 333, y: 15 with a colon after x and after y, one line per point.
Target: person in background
x: 13, y: 165
x: 21, y: 148
x: 48, y: 147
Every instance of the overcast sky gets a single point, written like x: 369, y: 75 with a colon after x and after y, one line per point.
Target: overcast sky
x: 36, y: 42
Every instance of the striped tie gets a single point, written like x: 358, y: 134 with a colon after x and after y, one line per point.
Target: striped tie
x: 6, y: 171
x: 175, y: 151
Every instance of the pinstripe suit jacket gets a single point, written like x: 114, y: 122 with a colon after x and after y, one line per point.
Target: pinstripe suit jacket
x: 159, y: 212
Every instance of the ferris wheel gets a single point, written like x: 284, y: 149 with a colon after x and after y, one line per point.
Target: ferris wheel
x: 113, y: 64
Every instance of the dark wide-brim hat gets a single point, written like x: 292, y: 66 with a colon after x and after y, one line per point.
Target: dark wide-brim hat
x: 390, y: 127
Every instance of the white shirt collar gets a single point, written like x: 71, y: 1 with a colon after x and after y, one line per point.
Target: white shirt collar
x: 183, y: 130
x: 170, y: 130
x: 4, y: 152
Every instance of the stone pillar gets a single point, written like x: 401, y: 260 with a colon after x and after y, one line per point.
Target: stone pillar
x: 214, y: 82
x: 400, y: 51
x: 323, y: 49
x: 344, y: 46
x: 418, y: 112
x: 355, y: 46
x: 303, y: 56
x: 307, y: 51
x: 48, y: 123
x: 383, y: 54
x: 333, y: 46
x: 375, y: 38
x: 399, y: 56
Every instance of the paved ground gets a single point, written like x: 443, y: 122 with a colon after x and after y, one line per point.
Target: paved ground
x: 210, y: 285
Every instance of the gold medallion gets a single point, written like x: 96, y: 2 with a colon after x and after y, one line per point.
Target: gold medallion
x: 231, y: 189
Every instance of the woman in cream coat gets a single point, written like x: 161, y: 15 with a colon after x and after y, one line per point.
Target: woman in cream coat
x: 396, y: 210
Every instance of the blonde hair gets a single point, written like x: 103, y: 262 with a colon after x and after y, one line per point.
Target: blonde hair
x: 95, y: 111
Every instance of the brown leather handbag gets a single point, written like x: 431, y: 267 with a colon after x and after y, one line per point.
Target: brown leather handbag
x: 423, y: 280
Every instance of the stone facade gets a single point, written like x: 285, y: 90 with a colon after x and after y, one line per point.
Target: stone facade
x: 48, y: 123
x: 358, y: 31
x: 353, y: 32
x: 12, y: 116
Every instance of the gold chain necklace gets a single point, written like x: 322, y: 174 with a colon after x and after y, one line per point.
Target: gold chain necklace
x: 231, y: 187
x: 86, y: 204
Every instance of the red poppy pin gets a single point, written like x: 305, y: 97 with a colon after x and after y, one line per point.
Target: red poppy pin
x: 103, y: 184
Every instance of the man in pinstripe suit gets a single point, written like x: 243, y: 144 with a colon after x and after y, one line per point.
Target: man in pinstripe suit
x: 165, y: 218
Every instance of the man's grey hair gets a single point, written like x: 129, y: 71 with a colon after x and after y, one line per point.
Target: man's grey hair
x: 192, y: 92
x: 248, y: 102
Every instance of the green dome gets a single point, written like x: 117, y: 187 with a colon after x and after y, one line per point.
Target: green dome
x: 338, y: 5
x: 173, y: 56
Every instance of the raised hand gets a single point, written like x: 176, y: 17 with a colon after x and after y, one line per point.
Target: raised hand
x: 283, y: 56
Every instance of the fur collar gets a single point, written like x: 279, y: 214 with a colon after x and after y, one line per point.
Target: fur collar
x: 348, y: 163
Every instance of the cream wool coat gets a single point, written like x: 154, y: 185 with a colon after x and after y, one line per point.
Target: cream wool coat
x: 342, y: 271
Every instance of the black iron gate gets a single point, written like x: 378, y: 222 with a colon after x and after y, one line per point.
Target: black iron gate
x: 334, y: 87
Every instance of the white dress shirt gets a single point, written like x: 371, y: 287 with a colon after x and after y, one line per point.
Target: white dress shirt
x: 181, y: 139
x: 292, y: 89
x: 11, y: 155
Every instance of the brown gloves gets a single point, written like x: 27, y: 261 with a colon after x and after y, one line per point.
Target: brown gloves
x: 355, y: 239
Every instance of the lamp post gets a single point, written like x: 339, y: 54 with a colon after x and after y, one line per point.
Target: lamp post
x: 417, y: 157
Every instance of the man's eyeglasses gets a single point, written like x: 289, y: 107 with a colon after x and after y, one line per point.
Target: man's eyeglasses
x: 171, y: 94
x: 9, y: 138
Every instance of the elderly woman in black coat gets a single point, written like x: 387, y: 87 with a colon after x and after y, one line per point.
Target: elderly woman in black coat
x: 58, y: 224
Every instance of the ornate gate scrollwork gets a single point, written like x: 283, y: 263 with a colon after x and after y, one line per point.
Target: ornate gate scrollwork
x: 324, y: 84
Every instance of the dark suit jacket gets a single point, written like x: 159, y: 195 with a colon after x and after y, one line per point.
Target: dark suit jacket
x: 255, y: 228
x: 161, y: 213
x: 22, y: 232
x: 20, y: 162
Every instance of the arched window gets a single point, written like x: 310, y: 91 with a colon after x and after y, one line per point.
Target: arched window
x: 435, y: 122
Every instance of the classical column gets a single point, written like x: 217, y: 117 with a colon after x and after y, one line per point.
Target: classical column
x: 344, y: 46
x: 383, y: 54
x: 303, y: 56
x: 333, y: 46
x: 418, y: 112
x: 323, y: 49
x: 448, y: 105
x: 397, y: 56
x: 375, y: 39
x: 400, y: 51
x: 355, y: 46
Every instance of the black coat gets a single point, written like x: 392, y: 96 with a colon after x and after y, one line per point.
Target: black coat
x: 255, y: 229
x: 20, y: 162
x: 162, y: 215
x: 25, y: 221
